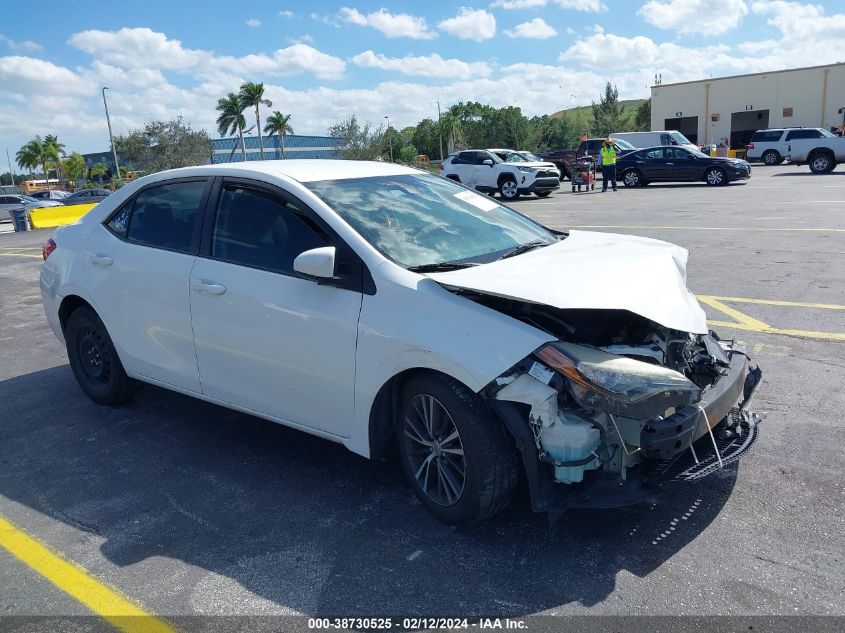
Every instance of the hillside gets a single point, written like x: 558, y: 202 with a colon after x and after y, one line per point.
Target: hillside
x: 580, y: 116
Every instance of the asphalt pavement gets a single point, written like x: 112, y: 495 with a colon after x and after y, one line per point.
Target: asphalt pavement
x: 187, y: 508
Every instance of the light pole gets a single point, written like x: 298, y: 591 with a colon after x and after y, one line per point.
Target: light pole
x: 111, y: 137
x: 389, y: 138
x: 440, y: 130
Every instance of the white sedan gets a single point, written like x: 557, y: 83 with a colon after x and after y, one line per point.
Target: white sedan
x: 396, y: 311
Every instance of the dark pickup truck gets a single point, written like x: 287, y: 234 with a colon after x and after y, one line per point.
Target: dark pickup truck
x: 564, y: 158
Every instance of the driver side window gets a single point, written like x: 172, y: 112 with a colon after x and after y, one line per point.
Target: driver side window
x: 257, y: 229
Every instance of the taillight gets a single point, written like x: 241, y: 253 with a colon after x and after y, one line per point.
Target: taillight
x: 47, y: 248
x: 749, y: 146
x: 441, y: 166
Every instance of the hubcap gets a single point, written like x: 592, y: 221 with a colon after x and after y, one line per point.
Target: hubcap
x: 435, y: 450
x: 631, y: 179
x: 714, y: 177
x: 770, y: 158
x: 94, y: 356
x: 509, y: 189
x: 820, y: 164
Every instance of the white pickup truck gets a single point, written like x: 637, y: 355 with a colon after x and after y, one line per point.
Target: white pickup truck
x: 821, y: 154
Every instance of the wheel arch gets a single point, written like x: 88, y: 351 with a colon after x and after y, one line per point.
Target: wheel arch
x: 506, y: 175
x: 69, y: 305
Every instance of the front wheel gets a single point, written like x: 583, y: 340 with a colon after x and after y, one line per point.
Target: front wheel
x: 454, y: 451
x: 94, y: 360
x: 632, y: 178
x: 508, y: 189
x: 715, y: 177
x: 821, y: 163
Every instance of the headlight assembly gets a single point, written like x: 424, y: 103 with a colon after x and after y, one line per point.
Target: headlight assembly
x: 617, y: 384
x: 528, y: 170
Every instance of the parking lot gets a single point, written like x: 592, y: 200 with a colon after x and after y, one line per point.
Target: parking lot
x: 184, y: 508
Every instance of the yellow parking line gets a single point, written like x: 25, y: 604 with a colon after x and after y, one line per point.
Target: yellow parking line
x: 745, y: 322
x: 79, y: 584
x: 705, y: 228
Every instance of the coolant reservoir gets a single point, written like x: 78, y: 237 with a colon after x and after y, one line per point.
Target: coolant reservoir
x: 569, y: 439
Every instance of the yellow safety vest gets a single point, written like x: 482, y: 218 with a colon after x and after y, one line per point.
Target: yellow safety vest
x: 608, y: 156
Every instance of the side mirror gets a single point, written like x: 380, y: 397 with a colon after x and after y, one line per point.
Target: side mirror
x: 487, y: 162
x: 318, y: 263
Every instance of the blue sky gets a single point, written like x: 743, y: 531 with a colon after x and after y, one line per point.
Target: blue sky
x: 324, y: 60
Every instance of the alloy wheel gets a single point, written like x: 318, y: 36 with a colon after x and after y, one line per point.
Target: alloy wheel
x: 715, y: 177
x: 509, y: 189
x: 435, y: 450
x: 632, y: 179
x: 820, y: 164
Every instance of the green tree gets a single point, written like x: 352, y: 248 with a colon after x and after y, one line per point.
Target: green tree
x: 73, y: 167
x: 163, y: 145
x: 278, y: 123
x: 54, y: 151
x: 29, y: 155
x: 426, y: 138
x: 553, y: 134
x: 358, y: 141
x: 642, y: 119
x: 98, y: 171
x: 407, y: 154
x: 252, y: 96
x: 231, y: 119
x: 607, y: 114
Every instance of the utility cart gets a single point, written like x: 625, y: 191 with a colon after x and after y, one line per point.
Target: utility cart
x: 583, y: 174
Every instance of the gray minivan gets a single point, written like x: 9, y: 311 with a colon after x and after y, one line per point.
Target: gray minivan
x: 653, y: 139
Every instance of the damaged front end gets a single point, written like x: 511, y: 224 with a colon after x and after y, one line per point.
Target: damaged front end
x: 620, y: 404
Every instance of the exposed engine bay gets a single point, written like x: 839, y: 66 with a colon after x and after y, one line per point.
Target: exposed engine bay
x: 618, y: 398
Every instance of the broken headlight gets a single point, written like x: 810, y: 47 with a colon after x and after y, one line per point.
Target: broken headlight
x: 617, y: 384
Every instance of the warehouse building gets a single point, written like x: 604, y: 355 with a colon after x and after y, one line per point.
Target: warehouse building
x: 227, y: 150
x: 708, y: 111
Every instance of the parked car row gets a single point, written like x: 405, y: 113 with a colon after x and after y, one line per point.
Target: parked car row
x: 485, y: 170
x: 817, y: 147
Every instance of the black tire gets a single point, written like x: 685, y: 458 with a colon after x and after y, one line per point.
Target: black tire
x: 771, y: 157
x: 508, y: 188
x: 542, y: 194
x: 490, y: 470
x: 453, y: 177
x: 632, y: 178
x: 94, y: 360
x: 821, y: 162
x: 716, y: 177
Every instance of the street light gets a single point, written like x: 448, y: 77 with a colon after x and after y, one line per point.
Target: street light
x: 389, y: 138
x: 111, y: 136
x: 440, y: 130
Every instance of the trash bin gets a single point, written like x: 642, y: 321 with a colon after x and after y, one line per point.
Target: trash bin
x: 20, y: 219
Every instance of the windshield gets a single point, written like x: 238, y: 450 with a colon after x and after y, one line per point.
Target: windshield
x: 423, y: 220
x: 513, y: 157
x: 30, y: 199
x: 827, y: 133
x: 679, y: 138
x: 623, y: 144
x: 696, y: 152
x: 531, y: 157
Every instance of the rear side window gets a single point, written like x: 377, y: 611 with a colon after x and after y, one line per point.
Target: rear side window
x: 165, y: 216
x: 653, y: 154
x: 260, y: 230
x: 766, y: 136
x: 799, y: 134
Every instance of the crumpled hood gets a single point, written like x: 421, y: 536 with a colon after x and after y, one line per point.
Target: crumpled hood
x: 590, y: 270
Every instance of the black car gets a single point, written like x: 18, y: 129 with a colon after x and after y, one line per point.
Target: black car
x: 86, y: 196
x: 678, y: 164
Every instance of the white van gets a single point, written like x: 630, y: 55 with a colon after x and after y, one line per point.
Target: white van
x: 653, y: 139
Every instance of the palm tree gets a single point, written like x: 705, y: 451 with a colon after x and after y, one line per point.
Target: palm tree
x: 278, y: 123
x: 231, y: 119
x: 99, y: 169
x: 252, y: 96
x: 54, y: 151
x: 29, y: 155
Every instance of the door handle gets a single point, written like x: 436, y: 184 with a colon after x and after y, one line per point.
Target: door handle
x: 670, y: 163
x: 205, y: 287
x: 99, y: 260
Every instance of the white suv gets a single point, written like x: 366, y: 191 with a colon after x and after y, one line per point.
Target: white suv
x: 770, y: 146
x: 484, y: 171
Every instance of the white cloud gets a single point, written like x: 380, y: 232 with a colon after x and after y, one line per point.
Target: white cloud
x: 536, y: 29
x: 424, y: 66
x: 711, y: 17
x: 286, y: 14
x: 254, y: 23
x: 571, y: 5
x: 25, y: 45
x: 131, y: 47
x: 296, y: 59
x: 470, y: 24
x: 391, y: 25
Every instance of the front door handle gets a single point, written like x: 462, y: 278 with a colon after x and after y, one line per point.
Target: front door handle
x: 205, y: 287
x: 100, y: 260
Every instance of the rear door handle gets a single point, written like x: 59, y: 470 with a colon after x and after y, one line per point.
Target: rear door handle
x: 205, y: 287
x: 100, y: 260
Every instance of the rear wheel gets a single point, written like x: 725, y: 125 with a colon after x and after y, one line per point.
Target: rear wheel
x: 508, y: 189
x: 715, y: 176
x: 94, y: 360
x: 632, y: 178
x: 454, y: 451
x: 821, y: 163
x: 542, y: 194
x: 771, y: 157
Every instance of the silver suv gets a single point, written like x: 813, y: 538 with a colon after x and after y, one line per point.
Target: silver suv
x: 770, y: 146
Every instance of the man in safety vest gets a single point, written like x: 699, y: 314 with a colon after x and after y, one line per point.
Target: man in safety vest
x: 608, y: 164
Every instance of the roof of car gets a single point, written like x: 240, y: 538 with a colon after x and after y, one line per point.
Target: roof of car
x: 310, y: 169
